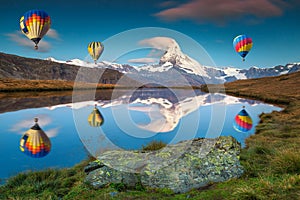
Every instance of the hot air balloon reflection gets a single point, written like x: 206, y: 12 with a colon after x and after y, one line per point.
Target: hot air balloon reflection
x: 242, y: 45
x: 242, y: 121
x: 35, y: 142
x: 35, y: 24
x: 95, y: 49
x: 95, y: 119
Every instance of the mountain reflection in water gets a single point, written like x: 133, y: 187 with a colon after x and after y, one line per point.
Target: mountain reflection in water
x: 140, y: 116
x: 132, y: 118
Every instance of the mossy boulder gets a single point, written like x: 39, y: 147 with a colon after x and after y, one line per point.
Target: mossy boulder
x: 179, y: 167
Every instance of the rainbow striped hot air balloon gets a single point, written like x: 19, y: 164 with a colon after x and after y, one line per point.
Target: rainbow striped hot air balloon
x: 95, y: 119
x: 35, y: 142
x: 242, y: 45
x: 35, y: 24
x: 242, y: 121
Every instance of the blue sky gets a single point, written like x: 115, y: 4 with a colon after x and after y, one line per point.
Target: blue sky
x: 272, y: 24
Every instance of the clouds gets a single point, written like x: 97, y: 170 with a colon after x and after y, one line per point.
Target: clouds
x: 22, y: 126
x: 158, y: 44
x: 162, y: 43
x: 22, y: 40
x: 168, y: 3
x: 53, y: 34
x: 143, y: 60
x: 221, y: 12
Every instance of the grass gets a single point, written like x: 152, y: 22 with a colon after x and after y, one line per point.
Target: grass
x: 20, y: 85
x: 271, y: 158
x: 46, y: 184
x: 280, y: 90
x: 153, y: 146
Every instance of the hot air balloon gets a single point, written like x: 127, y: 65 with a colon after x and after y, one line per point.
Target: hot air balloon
x: 35, y: 24
x: 95, y: 119
x: 35, y: 142
x: 95, y: 49
x: 242, y: 45
x: 242, y: 121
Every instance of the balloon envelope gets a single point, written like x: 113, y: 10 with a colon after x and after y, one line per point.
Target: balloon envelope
x: 35, y: 142
x: 95, y: 119
x: 242, y: 45
x: 95, y: 49
x: 242, y: 121
x: 35, y: 24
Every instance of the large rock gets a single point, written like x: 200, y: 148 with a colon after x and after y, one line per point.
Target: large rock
x: 180, y: 167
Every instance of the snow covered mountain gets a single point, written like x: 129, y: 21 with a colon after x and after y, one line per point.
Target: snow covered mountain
x: 104, y: 64
x: 176, y: 57
x: 176, y: 68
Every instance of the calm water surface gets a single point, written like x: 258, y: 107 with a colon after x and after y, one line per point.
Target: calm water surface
x: 131, y: 120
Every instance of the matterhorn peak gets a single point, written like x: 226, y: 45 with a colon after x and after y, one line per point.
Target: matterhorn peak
x: 172, y: 52
x: 174, y: 55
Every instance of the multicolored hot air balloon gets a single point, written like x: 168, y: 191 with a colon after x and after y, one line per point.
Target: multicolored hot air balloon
x: 242, y: 121
x: 242, y: 45
x: 95, y: 49
x: 35, y: 142
x: 95, y: 119
x: 35, y: 24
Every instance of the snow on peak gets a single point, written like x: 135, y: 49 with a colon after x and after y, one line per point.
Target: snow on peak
x: 157, y: 68
x: 231, y: 71
x: 82, y: 63
x: 167, y: 64
x: 175, y: 56
x: 79, y: 62
x: 296, y: 63
x: 172, y: 51
x: 54, y: 60
x: 290, y: 65
x: 50, y: 59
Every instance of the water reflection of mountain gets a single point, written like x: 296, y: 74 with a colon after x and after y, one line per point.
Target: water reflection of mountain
x: 165, y: 107
x: 173, y: 96
x: 145, y: 93
x: 177, y: 96
x: 23, y: 100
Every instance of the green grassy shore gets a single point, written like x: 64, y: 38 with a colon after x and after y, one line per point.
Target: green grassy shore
x: 271, y: 158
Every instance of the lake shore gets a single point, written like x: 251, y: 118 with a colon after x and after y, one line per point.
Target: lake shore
x: 280, y: 90
x: 271, y: 158
x: 23, y: 85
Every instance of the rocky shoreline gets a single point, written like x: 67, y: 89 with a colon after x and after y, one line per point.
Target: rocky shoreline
x: 180, y: 167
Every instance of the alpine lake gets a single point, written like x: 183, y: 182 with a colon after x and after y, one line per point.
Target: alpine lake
x: 114, y: 119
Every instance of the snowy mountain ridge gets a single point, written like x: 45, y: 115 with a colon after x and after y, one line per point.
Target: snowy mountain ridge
x: 104, y: 64
x: 175, y: 56
x: 175, y: 61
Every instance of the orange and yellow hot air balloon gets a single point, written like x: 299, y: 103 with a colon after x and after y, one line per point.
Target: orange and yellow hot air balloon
x: 35, y: 143
x: 35, y: 24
